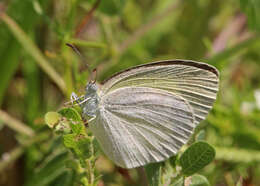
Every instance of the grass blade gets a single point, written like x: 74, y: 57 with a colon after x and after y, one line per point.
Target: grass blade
x: 15, y: 124
x: 31, y: 48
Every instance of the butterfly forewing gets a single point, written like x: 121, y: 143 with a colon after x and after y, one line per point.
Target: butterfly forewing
x: 140, y: 125
x: 195, y: 82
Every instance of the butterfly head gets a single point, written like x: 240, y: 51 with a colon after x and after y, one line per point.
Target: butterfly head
x: 91, y: 88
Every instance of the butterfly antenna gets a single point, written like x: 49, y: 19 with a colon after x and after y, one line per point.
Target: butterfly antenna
x: 93, y: 73
x: 76, y: 50
x: 94, y: 76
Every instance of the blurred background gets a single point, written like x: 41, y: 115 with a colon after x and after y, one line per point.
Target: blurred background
x: 38, y: 72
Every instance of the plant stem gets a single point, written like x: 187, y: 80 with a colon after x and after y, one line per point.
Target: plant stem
x: 87, y: 18
x: 90, y: 172
x: 15, y: 124
x: 90, y: 165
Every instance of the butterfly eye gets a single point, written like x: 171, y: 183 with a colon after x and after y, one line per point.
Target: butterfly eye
x: 91, y: 87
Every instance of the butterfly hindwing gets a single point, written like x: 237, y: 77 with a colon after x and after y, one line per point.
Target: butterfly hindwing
x: 137, y: 125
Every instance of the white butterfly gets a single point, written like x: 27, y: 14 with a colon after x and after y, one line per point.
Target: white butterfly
x: 147, y: 113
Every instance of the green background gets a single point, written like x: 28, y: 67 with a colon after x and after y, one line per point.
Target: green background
x: 38, y: 72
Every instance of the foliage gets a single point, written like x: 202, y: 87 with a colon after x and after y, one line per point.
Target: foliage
x: 197, y: 156
x: 75, y: 138
x: 38, y: 74
x: 68, y: 123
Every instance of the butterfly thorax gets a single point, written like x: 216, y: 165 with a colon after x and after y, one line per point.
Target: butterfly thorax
x: 90, y: 107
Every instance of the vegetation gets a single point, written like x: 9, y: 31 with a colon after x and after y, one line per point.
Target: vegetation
x: 44, y: 143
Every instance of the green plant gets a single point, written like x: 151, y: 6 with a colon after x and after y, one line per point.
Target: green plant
x: 68, y: 123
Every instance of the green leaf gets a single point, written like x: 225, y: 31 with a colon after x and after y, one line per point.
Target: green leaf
x: 52, y: 119
x: 154, y: 173
x: 84, y: 146
x: 63, y: 127
x: 81, y: 145
x: 78, y: 128
x: 70, y: 113
x: 78, y: 141
x: 68, y: 140
x: 73, y: 122
x: 199, y: 180
x: 178, y: 182
x: 197, y: 156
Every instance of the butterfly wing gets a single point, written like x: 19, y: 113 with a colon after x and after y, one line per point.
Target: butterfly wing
x: 194, y: 81
x: 139, y: 125
x: 148, y: 112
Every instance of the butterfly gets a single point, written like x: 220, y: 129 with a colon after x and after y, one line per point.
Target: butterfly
x: 147, y: 113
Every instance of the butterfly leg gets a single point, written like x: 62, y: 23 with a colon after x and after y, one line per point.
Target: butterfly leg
x: 94, y: 117
x: 74, y: 97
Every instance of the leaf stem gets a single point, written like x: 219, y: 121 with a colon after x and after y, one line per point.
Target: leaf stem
x: 89, y: 172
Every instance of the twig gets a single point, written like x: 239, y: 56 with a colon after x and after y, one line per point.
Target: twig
x: 15, y: 124
x: 146, y: 27
x: 86, y: 19
x: 10, y: 157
